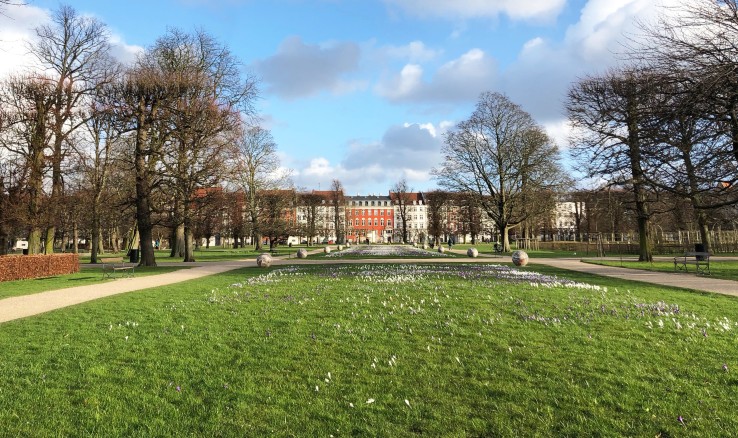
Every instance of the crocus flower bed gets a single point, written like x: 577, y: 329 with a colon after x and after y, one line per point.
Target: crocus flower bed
x: 377, y: 350
x: 389, y: 251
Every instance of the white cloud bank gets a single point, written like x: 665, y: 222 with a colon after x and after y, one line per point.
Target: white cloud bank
x: 405, y: 151
x: 464, y: 9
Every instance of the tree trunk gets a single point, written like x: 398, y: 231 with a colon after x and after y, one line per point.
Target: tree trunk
x: 143, y: 206
x: 49, y: 240
x: 704, y: 230
x: 189, y: 252
x: 177, y: 240
x: 95, y: 246
x: 75, y: 234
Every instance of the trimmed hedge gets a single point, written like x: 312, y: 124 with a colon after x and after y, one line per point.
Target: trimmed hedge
x: 19, y: 267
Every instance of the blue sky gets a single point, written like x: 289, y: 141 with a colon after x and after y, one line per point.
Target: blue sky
x: 363, y: 90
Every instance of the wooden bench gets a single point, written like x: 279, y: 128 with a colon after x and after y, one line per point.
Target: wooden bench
x: 700, y: 260
x: 111, y: 265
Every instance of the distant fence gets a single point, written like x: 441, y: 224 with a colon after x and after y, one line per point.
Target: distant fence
x: 662, y: 243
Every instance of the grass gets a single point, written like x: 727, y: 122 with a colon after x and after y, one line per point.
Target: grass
x: 213, y: 254
x: 724, y: 269
x: 391, y: 350
x: 84, y: 277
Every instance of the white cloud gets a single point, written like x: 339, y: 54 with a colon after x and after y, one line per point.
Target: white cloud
x: 414, y: 52
x: 16, y: 27
x: 515, y: 9
x: 300, y: 70
x: 461, y: 79
x: 409, y: 150
x: 543, y: 72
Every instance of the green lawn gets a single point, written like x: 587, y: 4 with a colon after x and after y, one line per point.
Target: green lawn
x: 390, y: 350
x: 84, y: 277
x: 213, y: 254
x: 725, y: 269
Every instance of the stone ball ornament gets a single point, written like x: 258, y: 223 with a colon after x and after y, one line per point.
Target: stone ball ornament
x: 472, y: 252
x: 520, y: 258
x: 340, y: 247
x: 327, y: 250
x: 302, y: 253
x: 441, y: 249
x: 264, y: 261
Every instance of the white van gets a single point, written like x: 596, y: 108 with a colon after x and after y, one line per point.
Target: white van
x: 21, y: 244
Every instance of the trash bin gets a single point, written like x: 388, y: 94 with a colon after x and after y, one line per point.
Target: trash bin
x: 25, y: 251
x: 133, y: 253
x: 699, y: 247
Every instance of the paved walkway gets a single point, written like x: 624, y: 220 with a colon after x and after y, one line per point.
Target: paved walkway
x: 29, y: 305
x: 675, y: 279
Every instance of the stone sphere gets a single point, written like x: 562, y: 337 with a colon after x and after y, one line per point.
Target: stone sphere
x: 348, y: 245
x: 340, y: 247
x: 520, y: 258
x: 472, y: 252
x: 327, y: 249
x: 441, y: 249
x: 425, y: 246
x: 302, y: 253
x: 264, y: 261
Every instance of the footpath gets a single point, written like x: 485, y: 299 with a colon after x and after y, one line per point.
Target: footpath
x: 29, y: 305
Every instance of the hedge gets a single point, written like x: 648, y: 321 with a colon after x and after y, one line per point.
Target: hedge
x: 19, y: 267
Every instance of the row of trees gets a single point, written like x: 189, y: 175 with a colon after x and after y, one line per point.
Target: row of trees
x: 665, y: 124
x: 129, y: 146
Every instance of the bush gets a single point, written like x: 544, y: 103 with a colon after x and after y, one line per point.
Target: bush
x: 19, y: 267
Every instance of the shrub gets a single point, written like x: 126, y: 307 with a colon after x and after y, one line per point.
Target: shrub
x: 19, y: 267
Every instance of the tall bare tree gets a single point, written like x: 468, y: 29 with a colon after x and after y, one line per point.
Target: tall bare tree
x: 73, y: 51
x: 310, y: 204
x: 204, y: 110
x: 610, y: 115
x: 26, y: 104
x: 401, y: 197
x: 501, y: 156
x: 256, y: 170
x: 436, y: 202
x: 337, y: 204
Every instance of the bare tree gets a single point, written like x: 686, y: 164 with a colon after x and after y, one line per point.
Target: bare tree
x: 338, y: 203
x: 257, y: 169
x: 400, y: 195
x: 610, y: 116
x: 310, y: 203
x: 97, y: 162
x: 436, y: 202
x: 501, y: 156
x: 26, y: 104
x: 700, y: 38
x: 73, y: 50
x: 208, y: 98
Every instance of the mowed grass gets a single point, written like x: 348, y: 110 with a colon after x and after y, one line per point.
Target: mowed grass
x: 724, y: 269
x: 84, y: 277
x: 391, y: 350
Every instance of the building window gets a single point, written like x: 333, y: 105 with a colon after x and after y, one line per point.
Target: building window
x: 381, y: 212
x: 382, y: 222
x: 362, y: 222
x: 389, y: 223
x: 375, y: 222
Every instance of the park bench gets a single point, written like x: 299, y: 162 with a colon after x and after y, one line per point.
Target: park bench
x: 111, y: 265
x: 700, y: 260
